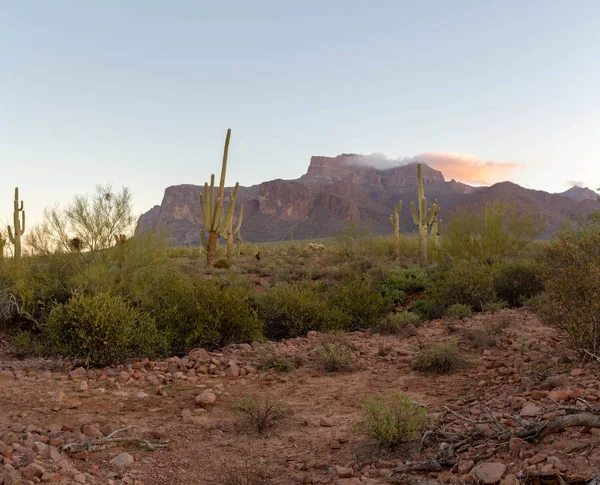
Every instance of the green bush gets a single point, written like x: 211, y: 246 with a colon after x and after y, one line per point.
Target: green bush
x: 495, y: 306
x: 427, y: 309
x: 222, y: 264
x: 393, y: 418
x: 440, y: 358
x: 262, y: 411
x: 572, y: 282
x: 102, y: 329
x: 334, y: 354
x: 292, y: 310
x: 401, y: 282
x: 459, y: 311
x: 400, y: 323
x: 468, y: 284
x: 518, y: 281
x: 361, y: 299
x: 196, y: 312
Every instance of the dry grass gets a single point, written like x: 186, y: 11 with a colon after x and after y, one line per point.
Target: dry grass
x: 262, y: 411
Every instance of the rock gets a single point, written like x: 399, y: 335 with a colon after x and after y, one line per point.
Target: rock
x: 12, y: 478
x: 78, y: 374
x: 556, y: 381
x: 537, y: 459
x: 560, y: 395
x: 83, y: 386
x: 530, y: 410
x: 465, y: 466
x: 326, y: 423
x: 489, y: 473
x: 344, y: 472
x: 233, y: 369
x: 205, y: 398
x: 348, y: 481
x: 122, y: 460
x: 33, y: 470
x: 199, y: 355
x: 510, y: 479
x: 335, y: 445
x: 50, y: 477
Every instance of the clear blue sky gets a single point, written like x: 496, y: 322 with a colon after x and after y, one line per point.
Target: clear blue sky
x: 141, y: 92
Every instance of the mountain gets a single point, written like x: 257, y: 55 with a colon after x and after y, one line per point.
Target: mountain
x: 579, y: 194
x: 338, y: 190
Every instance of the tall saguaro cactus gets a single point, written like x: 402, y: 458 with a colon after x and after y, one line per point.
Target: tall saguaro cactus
x: 422, y: 218
x: 395, y: 220
x: 436, y: 225
x: 19, y: 227
x: 215, y: 220
x: 233, y: 232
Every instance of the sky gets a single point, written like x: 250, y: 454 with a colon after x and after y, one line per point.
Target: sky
x: 140, y: 93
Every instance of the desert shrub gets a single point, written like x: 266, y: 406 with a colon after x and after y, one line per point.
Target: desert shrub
x: 101, y: 329
x: 400, y: 323
x: 500, y: 231
x: 383, y: 349
x: 360, y: 298
x: 25, y: 344
x: 334, y: 354
x: 467, y: 284
x: 401, y: 282
x: 393, y: 418
x: 517, y: 281
x: 459, y: 311
x: 572, y: 284
x: 427, y: 309
x: 250, y: 471
x: 495, y: 306
x: 440, y: 358
x: 481, y: 338
x: 195, y: 312
x: 222, y: 264
x: 268, y: 358
x: 292, y: 310
x: 261, y: 411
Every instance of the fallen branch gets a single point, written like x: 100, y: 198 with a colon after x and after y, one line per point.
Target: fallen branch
x: 110, y: 441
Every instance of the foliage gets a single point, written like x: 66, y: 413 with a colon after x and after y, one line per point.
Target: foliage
x: 492, y: 236
x: 292, y: 310
x: 517, y: 281
x: 101, y: 329
x: 96, y: 222
x: 262, y: 411
x: 195, y: 312
x: 361, y: 299
x: 459, y: 311
x: 440, y: 358
x: 400, y: 323
x: 495, y: 306
x: 427, y: 309
x: 401, y: 282
x: 334, y: 354
x: 481, y: 338
x: 572, y: 284
x: 393, y: 418
x: 250, y: 471
x: 222, y: 264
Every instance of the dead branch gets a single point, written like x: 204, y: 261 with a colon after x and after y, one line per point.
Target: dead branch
x: 540, y: 430
x: 110, y: 441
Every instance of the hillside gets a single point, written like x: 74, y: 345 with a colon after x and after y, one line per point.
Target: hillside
x: 337, y: 190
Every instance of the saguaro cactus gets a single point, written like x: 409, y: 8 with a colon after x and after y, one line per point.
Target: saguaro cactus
x: 2, y: 245
x: 436, y: 225
x: 19, y: 224
x: 234, y: 232
x: 422, y: 218
x: 215, y: 221
x: 395, y: 220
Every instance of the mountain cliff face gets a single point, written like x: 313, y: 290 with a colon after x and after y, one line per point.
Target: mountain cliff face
x: 337, y: 190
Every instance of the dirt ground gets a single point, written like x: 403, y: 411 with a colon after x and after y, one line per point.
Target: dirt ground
x: 529, y: 375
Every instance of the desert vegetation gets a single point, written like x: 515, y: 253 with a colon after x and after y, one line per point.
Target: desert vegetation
x: 82, y: 287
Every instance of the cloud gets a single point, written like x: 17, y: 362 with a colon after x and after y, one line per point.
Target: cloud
x: 575, y: 183
x: 468, y: 168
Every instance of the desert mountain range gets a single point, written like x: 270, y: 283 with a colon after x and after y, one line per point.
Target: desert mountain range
x: 337, y: 190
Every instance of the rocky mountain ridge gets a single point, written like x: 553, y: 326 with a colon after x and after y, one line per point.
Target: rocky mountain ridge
x: 342, y: 189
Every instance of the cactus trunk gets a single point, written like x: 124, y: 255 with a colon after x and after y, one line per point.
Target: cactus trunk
x: 395, y: 220
x: 211, y: 250
x: 19, y: 227
x: 422, y: 218
x: 230, y: 244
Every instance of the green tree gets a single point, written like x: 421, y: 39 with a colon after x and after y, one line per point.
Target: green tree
x: 491, y: 236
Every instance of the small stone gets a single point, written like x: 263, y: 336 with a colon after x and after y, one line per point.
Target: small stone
x: 13, y: 477
x: 510, y: 479
x: 326, y: 423
x: 199, y: 355
x: 531, y: 410
x: 205, y: 398
x: 122, y: 460
x: 83, y: 386
x: 344, y: 472
x: 537, y: 459
x: 556, y: 381
x: 78, y: 374
x: 50, y: 477
x: 348, y: 481
x: 33, y: 470
x: 489, y: 473
x: 6, y: 376
x: 335, y: 445
x: 141, y: 395
x: 465, y: 466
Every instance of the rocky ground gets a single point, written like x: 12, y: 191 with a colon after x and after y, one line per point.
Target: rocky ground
x: 172, y: 422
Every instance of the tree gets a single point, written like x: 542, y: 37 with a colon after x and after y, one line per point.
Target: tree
x: 491, y: 236
x: 88, y: 223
